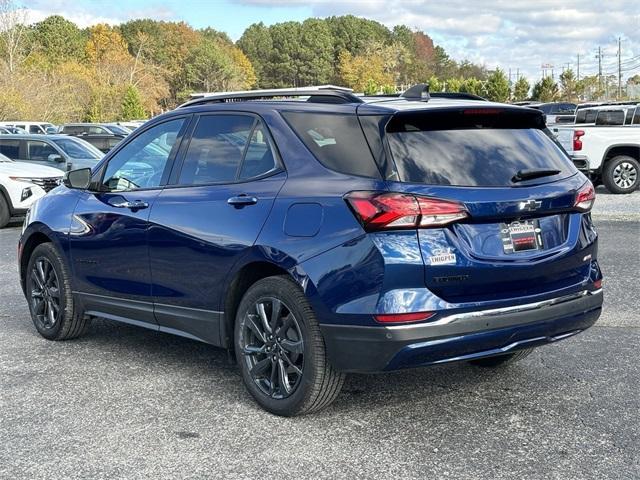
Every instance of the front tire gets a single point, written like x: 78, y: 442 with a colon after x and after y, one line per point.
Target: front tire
x: 48, y: 290
x: 281, y: 352
x: 5, y: 215
x: 621, y: 174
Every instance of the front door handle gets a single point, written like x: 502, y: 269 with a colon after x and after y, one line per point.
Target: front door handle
x: 242, y: 200
x: 133, y: 205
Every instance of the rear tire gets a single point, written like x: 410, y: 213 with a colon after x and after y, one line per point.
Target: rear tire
x: 502, y: 360
x: 281, y: 352
x: 5, y: 214
x: 48, y: 291
x: 621, y: 174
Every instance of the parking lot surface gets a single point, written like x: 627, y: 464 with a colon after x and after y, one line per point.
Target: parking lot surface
x: 125, y: 402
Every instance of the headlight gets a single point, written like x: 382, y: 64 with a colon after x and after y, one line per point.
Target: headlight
x: 23, y: 179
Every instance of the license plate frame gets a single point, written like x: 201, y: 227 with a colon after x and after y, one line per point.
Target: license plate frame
x: 521, y: 236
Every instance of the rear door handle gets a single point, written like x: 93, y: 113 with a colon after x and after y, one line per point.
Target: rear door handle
x: 133, y: 205
x: 242, y: 200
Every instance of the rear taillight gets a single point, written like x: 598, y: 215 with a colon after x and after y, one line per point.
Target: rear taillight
x: 585, y: 197
x: 577, y: 143
x: 403, y: 317
x: 389, y: 211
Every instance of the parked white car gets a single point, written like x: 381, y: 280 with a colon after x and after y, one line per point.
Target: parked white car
x: 42, y: 128
x: 607, y: 154
x: 21, y: 184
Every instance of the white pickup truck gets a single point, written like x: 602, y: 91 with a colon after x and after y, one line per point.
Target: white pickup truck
x: 606, y: 154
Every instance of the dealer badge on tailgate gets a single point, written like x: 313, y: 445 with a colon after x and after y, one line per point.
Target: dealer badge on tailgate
x: 521, y: 235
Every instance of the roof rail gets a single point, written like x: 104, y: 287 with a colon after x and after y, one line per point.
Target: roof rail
x: 320, y: 94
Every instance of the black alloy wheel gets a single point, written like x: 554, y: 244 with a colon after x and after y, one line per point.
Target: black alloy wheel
x: 44, y: 291
x: 273, y: 347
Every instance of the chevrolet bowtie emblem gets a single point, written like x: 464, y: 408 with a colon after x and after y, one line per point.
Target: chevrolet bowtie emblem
x: 530, y: 205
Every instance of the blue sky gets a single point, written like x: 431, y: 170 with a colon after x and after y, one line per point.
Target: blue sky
x: 512, y: 34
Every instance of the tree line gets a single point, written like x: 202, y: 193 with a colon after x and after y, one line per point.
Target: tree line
x: 55, y: 71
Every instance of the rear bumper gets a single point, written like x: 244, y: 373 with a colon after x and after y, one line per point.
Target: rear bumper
x: 460, y: 336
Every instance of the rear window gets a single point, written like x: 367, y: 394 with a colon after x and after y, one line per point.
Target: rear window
x: 480, y: 157
x: 336, y: 140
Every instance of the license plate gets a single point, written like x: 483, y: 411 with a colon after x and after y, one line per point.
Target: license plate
x: 521, y: 236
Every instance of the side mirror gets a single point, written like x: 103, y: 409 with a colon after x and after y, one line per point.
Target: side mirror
x: 78, y: 179
x: 54, y: 157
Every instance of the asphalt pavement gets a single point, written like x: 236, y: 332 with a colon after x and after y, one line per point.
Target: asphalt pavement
x: 124, y: 402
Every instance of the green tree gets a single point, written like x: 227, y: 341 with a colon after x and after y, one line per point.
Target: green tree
x: 497, y: 86
x: 257, y: 45
x: 314, y: 61
x: 58, y: 39
x: 569, y: 85
x: 132, y: 108
x: 546, y: 90
x: 521, y: 90
x: 473, y: 86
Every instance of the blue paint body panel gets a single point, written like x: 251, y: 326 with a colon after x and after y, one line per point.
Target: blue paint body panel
x: 172, y: 266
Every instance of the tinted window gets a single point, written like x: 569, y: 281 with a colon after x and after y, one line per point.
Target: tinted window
x: 336, y: 141
x: 216, y: 149
x: 71, y: 130
x: 40, y: 151
x: 77, y: 149
x: 480, y: 157
x: 610, y: 117
x: 258, y: 158
x: 10, y: 148
x: 636, y: 117
x: 142, y: 162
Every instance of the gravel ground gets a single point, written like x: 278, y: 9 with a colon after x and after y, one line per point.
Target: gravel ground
x: 125, y: 402
x: 617, y: 207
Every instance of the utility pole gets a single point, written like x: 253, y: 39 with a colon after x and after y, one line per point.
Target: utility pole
x: 517, y: 74
x: 599, y: 56
x: 578, y: 67
x: 619, y: 69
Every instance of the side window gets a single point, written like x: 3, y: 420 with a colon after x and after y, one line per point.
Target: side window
x: 259, y: 158
x: 141, y: 163
x: 40, y: 151
x: 636, y: 116
x: 215, y: 150
x: 10, y: 148
x: 93, y: 130
x: 34, y: 129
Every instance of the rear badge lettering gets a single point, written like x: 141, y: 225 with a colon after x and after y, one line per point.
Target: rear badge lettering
x: 443, y: 257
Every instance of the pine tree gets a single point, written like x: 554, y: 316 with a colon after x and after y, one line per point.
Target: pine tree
x: 132, y: 108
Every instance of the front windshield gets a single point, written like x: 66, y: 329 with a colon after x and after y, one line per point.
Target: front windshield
x: 78, y: 149
x: 118, y: 129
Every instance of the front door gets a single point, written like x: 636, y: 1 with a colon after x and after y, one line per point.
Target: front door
x: 212, y: 214
x: 108, y: 238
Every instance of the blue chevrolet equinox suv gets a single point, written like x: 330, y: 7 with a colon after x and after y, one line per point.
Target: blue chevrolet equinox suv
x: 315, y: 232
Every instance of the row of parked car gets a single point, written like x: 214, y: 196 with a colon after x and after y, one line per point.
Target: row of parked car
x: 602, y: 139
x: 35, y: 155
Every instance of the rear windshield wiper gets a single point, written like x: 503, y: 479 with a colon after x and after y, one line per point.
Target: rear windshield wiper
x: 529, y: 174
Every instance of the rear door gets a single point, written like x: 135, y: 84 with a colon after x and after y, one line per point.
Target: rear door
x: 210, y: 216
x: 523, y: 236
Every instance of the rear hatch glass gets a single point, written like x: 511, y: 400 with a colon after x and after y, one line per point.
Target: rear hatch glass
x: 521, y: 234
x: 477, y: 150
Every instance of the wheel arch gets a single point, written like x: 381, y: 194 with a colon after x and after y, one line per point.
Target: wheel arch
x: 254, y: 268
x: 631, y: 150
x: 35, y: 234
